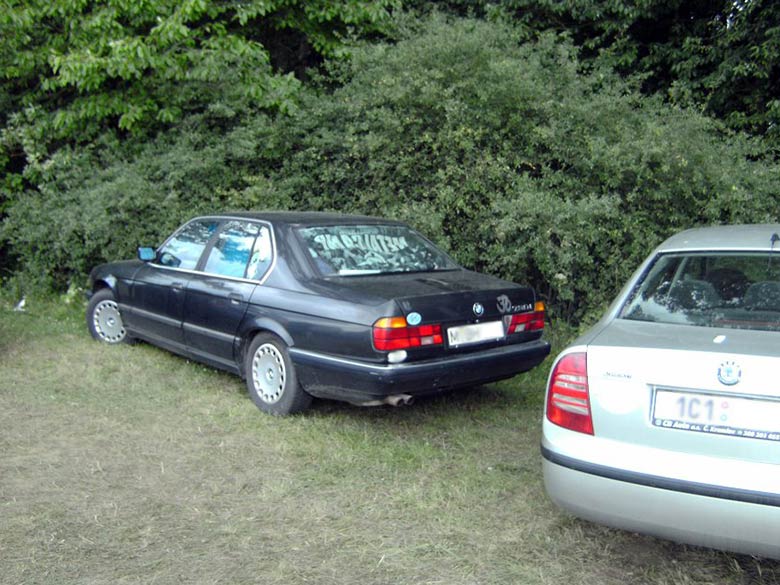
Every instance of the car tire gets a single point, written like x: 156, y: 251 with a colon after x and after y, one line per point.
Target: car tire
x: 271, y: 379
x: 104, y: 320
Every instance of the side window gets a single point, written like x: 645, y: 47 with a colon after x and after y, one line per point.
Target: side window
x: 236, y: 252
x: 184, y: 249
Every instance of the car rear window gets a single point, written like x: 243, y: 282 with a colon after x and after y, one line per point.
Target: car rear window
x: 353, y: 250
x: 735, y: 290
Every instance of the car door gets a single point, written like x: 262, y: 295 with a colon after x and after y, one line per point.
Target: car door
x: 218, y: 293
x: 159, y: 287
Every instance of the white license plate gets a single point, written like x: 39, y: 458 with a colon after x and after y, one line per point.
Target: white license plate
x: 476, y: 333
x: 717, y: 414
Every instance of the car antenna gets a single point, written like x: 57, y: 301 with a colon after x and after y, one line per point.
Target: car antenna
x: 772, y: 241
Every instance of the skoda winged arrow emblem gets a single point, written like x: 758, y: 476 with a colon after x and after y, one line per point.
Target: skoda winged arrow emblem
x: 729, y: 373
x: 478, y: 309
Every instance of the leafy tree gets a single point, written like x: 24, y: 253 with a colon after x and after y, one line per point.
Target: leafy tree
x: 719, y: 55
x: 70, y: 69
x: 722, y: 56
x: 742, y: 84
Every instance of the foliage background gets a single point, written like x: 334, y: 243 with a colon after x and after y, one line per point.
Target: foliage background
x: 535, y: 140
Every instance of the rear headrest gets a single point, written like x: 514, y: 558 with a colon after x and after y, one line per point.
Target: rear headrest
x: 693, y: 294
x: 763, y: 296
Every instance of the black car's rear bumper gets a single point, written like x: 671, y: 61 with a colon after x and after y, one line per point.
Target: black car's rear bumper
x: 327, y: 376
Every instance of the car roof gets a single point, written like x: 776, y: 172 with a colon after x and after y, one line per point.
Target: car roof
x: 725, y: 237
x: 304, y: 218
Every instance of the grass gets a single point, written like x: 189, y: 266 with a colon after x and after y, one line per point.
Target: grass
x: 131, y: 465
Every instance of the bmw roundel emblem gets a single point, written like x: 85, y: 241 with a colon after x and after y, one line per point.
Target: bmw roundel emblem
x: 729, y: 373
x: 414, y: 319
x: 478, y: 309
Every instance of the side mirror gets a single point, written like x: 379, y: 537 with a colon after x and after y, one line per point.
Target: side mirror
x: 147, y: 254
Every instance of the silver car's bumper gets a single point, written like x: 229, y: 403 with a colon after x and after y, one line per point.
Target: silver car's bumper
x: 743, y: 521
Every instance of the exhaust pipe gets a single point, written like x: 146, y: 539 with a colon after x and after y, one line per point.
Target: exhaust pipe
x: 392, y: 400
x: 399, y: 400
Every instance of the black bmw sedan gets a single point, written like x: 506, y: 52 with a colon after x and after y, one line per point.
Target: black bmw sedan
x: 351, y: 308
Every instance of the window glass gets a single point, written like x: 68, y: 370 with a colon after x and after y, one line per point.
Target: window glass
x: 262, y: 254
x: 184, y: 249
x: 350, y: 250
x: 711, y: 290
x: 230, y: 254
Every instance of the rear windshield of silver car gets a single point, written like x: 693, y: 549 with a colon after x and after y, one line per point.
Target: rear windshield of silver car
x: 355, y: 250
x: 734, y: 290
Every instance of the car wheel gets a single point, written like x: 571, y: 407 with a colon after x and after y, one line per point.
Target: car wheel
x: 104, y: 319
x: 271, y: 379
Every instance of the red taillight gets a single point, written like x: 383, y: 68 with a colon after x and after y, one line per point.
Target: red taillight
x: 392, y: 333
x: 568, y: 400
x: 520, y: 322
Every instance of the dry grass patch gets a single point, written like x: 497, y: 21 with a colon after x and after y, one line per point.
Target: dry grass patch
x: 130, y: 465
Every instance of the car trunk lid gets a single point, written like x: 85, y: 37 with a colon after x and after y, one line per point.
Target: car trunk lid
x: 474, y: 311
x: 695, y: 389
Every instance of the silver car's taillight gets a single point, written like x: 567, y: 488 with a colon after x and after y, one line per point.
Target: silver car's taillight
x: 568, y: 401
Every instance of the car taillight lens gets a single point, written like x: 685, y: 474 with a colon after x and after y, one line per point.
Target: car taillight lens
x: 519, y: 322
x: 391, y: 333
x: 568, y: 400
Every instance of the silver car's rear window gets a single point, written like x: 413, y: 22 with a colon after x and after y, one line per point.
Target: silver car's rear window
x: 736, y: 290
x: 354, y: 250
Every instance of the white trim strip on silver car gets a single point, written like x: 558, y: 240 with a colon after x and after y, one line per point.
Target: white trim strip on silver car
x: 664, y: 483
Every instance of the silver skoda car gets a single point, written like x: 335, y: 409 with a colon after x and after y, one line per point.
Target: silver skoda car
x: 664, y: 418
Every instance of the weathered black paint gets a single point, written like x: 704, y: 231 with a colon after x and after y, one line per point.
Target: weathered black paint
x: 326, y: 321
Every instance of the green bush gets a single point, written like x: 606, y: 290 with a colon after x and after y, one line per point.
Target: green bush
x: 509, y: 154
x: 99, y: 203
x: 518, y: 160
